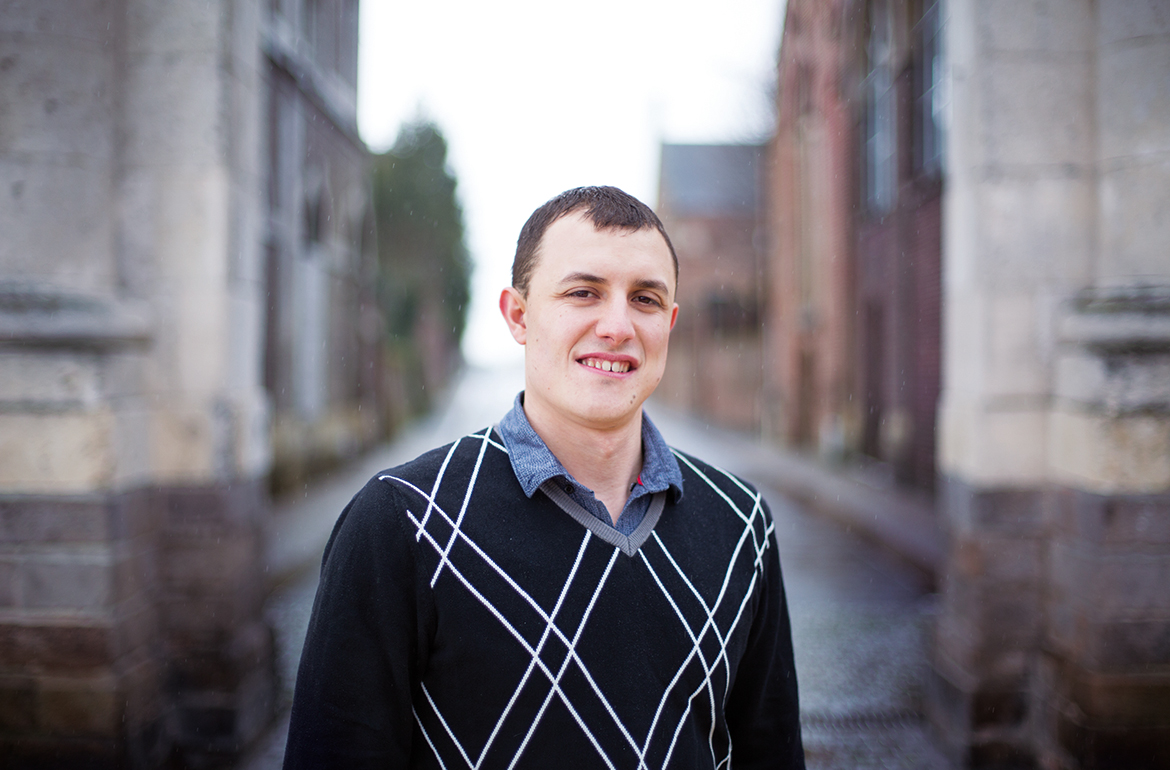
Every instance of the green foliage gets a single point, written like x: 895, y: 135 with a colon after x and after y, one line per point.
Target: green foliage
x: 422, y: 254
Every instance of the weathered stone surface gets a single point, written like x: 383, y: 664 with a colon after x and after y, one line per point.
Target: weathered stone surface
x: 1115, y: 383
x: 1133, y: 228
x: 208, y: 513
x: 224, y: 700
x: 1122, y: 520
x: 54, y: 453
x: 995, y: 512
x: 178, y: 27
x: 1038, y: 109
x: 85, y: 20
x: 1135, y: 104
x: 18, y: 695
x: 196, y: 567
x: 86, y: 705
x: 1113, y: 583
x: 1132, y: 645
x: 1122, y: 20
x: 168, y: 102
x: 54, y: 115
x: 984, y: 723
x: 1034, y: 231
x: 10, y: 588
x: 136, y: 625
x: 53, y: 643
x: 993, y: 444
x: 66, y: 580
x: 53, y: 381
x: 1051, y: 26
x: 76, y: 193
x: 1128, y: 454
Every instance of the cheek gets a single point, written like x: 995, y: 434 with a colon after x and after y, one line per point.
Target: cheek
x: 655, y: 336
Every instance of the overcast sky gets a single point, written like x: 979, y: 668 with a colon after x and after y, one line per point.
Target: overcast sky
x: 536, y: 97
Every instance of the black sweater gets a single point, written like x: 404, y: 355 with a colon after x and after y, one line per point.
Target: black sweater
x: 460, y: 624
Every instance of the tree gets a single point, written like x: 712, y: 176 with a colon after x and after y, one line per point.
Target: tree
x: 425, y: 268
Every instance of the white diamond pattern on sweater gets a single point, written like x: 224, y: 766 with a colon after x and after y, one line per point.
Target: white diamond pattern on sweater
x: 662, y: 570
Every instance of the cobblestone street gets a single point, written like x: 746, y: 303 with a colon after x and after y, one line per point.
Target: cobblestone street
x: 860, y: 616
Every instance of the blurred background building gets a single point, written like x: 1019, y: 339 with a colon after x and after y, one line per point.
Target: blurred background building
x: 189, y: 316
x: 966, y: 219
x: 709, y: 200
x: 321, y: 327
x: 967, y: 281
x: 855, y: 189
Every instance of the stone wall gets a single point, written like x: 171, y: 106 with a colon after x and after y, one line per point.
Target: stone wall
x: 1052, y: 641
x: 133, y: 420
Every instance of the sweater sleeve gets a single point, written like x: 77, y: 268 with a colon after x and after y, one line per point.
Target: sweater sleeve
x: 763, y: 710
x: 365, y: 647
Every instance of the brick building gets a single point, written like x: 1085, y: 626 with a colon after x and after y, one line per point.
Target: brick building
x: 1026, y: 145
x: 183, y: 251
x: 810, y: 380
x: 708, y: 198
x: 855, y: 203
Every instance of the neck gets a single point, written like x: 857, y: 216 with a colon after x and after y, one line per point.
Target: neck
x: 607, y: 460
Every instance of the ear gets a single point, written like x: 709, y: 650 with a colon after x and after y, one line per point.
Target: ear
x: 513, y: 307
x: 673, y: 315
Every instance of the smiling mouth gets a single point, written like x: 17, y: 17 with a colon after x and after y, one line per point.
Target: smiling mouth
x: 618, y: 367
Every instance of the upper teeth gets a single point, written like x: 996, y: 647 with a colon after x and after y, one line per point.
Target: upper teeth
x: 607, y: 366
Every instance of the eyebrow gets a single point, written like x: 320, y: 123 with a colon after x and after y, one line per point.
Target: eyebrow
x: 644, y: 283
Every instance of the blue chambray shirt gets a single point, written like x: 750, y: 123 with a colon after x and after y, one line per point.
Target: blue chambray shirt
x: 534, y: 463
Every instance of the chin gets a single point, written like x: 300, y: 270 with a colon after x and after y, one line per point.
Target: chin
x: 609, y: 411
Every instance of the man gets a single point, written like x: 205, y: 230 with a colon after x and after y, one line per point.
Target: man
x: 543, y: 592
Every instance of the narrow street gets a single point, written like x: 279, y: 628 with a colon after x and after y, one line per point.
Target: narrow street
x: 860, y: 616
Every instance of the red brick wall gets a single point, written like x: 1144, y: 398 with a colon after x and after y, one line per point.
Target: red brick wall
x: 810, y: 376
x: 854, y: 299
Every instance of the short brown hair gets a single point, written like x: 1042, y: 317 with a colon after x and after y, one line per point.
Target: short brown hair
x: 606, y: 207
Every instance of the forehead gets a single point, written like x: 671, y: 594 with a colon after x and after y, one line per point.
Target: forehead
x: 573, y: 245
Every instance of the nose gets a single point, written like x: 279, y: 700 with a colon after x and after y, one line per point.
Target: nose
x: 615, y: 324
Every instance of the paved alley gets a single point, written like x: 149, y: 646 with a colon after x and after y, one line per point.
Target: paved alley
x: 860, y: 616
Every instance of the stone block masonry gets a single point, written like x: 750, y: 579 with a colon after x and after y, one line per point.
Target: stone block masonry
x: 1052, y: 646
x: 133, y: 417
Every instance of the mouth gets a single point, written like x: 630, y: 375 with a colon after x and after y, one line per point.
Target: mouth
x: 614, y: 366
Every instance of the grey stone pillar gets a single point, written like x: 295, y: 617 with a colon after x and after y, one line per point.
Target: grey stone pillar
x: 133, y: 424
x: 1051, y: 646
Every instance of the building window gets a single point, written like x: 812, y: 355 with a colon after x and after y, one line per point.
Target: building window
x: 931, y: 93
x: 732, y: 313
x: 880, y: 150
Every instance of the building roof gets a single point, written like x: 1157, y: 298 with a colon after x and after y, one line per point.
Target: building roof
x: 710, y: 179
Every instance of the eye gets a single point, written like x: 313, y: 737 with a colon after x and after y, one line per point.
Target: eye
x: 580, y: 293
x: 647, y: 300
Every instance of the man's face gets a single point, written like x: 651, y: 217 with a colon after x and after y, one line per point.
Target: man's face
x: 595, y: 323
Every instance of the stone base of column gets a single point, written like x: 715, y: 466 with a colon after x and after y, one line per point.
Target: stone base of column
x: 989, y: 625
x: 130, y: 627
x: 81, y: 664
x: 1102, y: 684
x: 983, y: 725
x: 221, y: 656
x: 1052, y: 645
x: 1098, y: 721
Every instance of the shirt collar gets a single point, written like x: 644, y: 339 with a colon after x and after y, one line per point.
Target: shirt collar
x: 534, y: 463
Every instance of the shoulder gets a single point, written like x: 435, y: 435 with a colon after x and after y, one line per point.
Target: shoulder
x: 471, y: 460
x: 704, y: 481
x: 377, y: 510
